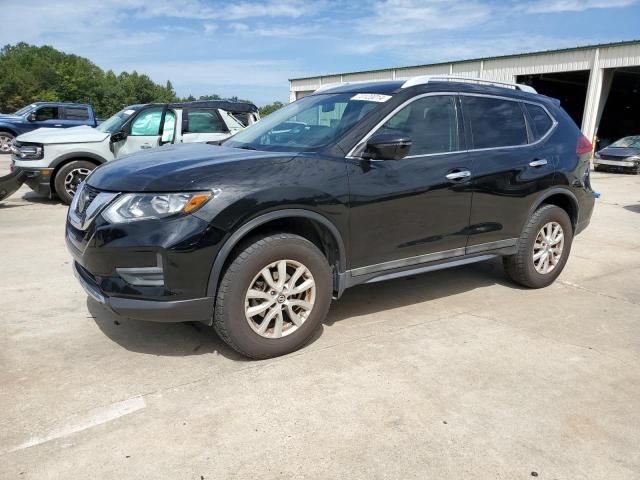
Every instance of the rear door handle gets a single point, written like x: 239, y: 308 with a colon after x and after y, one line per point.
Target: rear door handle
x: 538, y: 163
x: 458, y: 175
x: 145, y: 146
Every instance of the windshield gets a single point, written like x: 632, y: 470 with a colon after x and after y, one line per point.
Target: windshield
x: 113, y: 124
x: 24, y: 110
x: 627, y: 142
x: 310, y: 123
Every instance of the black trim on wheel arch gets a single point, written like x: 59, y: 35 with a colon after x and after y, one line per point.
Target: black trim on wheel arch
x: 77, y: 156
x: 549, y: 193
x: 244, y: 230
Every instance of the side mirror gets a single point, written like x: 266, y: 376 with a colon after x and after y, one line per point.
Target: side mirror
x: 32, y: 117
x: 387, y: 146
x: 118, y: 136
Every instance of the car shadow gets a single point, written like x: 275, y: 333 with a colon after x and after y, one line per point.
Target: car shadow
x: 633, y: 208
x: 185, y: 339
x: 163, y: 339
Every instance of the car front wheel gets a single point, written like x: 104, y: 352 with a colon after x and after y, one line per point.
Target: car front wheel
x: 543, y: 248
x: 69, y: 177
x: 274, y: 294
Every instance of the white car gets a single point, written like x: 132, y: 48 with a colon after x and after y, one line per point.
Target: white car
x: 55, y: 161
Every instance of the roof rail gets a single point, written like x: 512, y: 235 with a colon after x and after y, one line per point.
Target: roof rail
x: 322, y: 88
x: 424, y: 79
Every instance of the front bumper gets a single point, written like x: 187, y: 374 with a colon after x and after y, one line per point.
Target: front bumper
x: 155, y: 270
x: 38, y: 179
x: 619, y: 165
x: 193, y: 310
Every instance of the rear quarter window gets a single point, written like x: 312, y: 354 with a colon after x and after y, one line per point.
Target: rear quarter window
x: 76, y: 113
x: 540, y: 119
x: 495, y: 122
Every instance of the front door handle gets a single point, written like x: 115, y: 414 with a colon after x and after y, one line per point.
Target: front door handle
x: 458, y: 175
x: 538, y: 163
x: 145, y: 146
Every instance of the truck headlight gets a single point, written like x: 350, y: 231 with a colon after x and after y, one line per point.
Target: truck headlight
x: 145, y: 206
x: 28, y: 152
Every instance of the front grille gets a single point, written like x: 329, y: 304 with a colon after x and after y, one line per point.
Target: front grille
x: 612, y: 157
x: 89, y: 194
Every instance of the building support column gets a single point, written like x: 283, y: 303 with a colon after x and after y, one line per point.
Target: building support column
x: 594, y: 94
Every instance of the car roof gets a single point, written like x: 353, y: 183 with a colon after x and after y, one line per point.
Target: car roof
x: 391, y: 87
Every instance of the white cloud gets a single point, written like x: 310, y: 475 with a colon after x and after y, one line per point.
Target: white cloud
x: 395, y: 17
x: 210, y: 28
x: 551, y: 6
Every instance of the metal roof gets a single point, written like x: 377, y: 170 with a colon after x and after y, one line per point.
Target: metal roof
x: 511, y: 55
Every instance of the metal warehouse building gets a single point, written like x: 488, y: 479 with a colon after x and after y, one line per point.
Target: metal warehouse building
x: 598, y: 85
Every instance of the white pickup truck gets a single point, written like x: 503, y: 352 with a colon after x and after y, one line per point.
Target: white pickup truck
x: 54, y: 161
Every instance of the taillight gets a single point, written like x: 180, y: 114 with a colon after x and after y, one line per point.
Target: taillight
x: 583, y: 146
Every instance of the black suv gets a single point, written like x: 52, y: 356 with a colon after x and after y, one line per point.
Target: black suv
x: 354, y: 184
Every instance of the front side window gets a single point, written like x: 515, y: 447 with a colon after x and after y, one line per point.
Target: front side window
x: 495, y: 122
x: 71, y: 113
x: 169, y: 127
x: 46, y: 113
x: 147, y: 123
x: 431, y: 124
x: 541, y: 120
x: 205, y: 121
x: 309, y: 123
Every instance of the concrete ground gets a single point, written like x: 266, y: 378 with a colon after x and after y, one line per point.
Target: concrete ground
x: 454, y: 374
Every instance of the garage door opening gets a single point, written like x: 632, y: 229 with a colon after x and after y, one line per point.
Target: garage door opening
x: 621, y: 107
x: 568, y: 87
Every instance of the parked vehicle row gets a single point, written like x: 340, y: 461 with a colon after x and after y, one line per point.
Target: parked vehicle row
x: 43, y: 115
x: 56, y: 161
x: 356, y: 183
x: 622, y: 155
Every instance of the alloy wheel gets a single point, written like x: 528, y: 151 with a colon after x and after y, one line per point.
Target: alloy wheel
x: 548, y: 247
x: 5, y: 143
x: 280, y: 299
x: 74, y: 178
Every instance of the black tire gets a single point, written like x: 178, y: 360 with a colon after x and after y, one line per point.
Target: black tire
x: 230, y: 321
x: 79, y: 169
x: 520, y: 267
x: 5, y: 142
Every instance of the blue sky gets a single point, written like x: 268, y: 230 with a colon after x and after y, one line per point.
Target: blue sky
x: 250, y: 48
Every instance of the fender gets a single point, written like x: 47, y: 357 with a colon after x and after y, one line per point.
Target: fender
x: 77, y: 156
x: 555, y: 191
x: 245, y: 229
x: 7, y: 127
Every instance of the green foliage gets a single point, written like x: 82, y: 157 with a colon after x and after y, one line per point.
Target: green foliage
x: 272, y: 107
x: 29, y: 74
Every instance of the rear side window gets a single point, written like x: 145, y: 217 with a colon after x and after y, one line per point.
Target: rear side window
x: 541, y: 120
x: 495, y: 122
x: 205, y: 121
x: 76, y: 113
x: 431, y: 124
x: 47, y: 113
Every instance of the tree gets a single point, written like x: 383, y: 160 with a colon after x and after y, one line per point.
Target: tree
x: 31, y: 74
x: 272, y: 107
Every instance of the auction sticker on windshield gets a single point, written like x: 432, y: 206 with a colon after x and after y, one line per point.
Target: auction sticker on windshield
x: 371, y: 97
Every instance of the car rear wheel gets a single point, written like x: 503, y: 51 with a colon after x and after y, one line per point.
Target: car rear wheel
x: 69, y: 177
x: 5, y: 142
x: 543, y: 248
x: 274, y: 294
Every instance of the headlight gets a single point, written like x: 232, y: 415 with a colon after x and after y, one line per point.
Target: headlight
x: 28, y: 152
x: 597, y: 155
x: 134, y: 206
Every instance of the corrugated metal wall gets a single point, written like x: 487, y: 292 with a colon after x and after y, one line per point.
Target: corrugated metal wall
x: 506, y: 69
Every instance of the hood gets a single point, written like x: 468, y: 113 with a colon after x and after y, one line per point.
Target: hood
x: 7, y: 117
x: 619, y: 152
x: 82, y: 134
x: 174, y: 168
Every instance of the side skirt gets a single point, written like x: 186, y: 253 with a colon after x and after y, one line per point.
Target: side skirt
x: 479, y: 253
